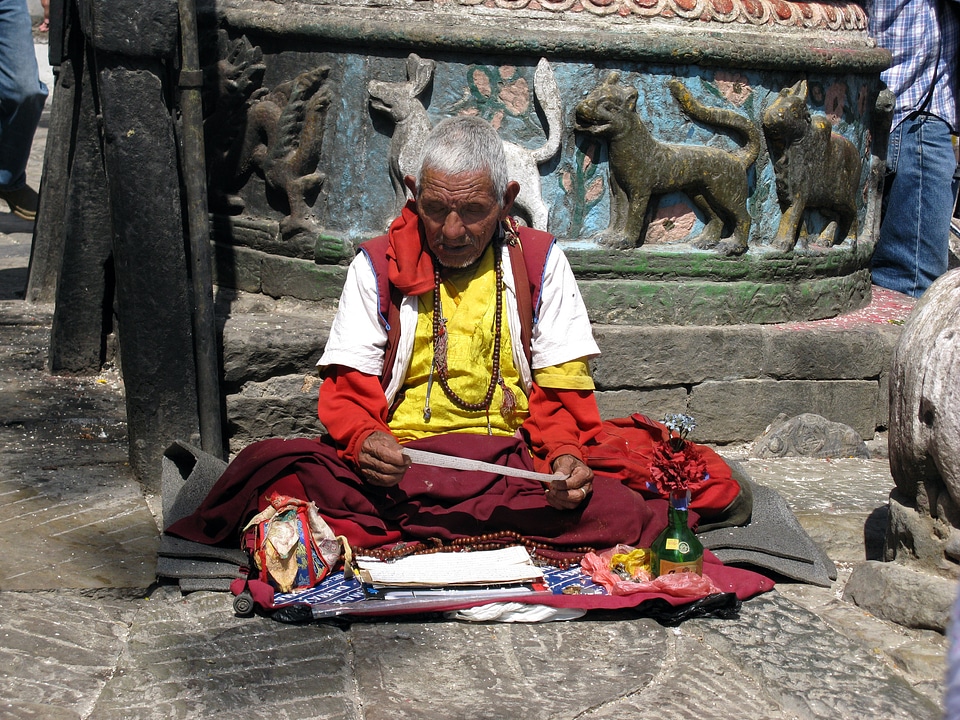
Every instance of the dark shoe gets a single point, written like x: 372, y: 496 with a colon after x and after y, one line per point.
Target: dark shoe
x: 23, y: 202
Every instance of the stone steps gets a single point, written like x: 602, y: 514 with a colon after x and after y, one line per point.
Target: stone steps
x: 734, y: 379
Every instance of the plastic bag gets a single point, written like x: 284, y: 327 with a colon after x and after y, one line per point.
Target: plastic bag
x: 598, y: 567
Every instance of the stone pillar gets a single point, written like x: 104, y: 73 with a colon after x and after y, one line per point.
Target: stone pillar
x: 123, y: 243
x: 80, y: 258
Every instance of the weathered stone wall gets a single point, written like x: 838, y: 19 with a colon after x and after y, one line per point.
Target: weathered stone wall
x: 733, y: 380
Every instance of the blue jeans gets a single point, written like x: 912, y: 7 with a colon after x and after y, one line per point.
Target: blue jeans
x: 22, y: 94
x: 914, y: 242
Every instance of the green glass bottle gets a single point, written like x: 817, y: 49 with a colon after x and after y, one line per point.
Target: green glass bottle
x: 677, y: 549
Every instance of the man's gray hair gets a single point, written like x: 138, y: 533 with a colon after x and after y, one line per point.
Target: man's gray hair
x: 465, y: 144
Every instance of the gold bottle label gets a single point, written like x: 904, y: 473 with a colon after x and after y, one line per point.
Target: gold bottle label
x: 672, y: 568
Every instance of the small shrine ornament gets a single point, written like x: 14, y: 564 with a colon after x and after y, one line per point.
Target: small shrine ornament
x: 676, y: 464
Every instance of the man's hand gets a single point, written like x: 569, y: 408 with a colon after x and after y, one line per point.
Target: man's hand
x: 568, y: 494
x: 381, y: 460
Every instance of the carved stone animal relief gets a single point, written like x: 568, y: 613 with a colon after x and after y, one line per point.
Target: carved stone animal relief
x: 277, y: 134
x: 283, y: 140
x: 642, y: 167
x: 402, y: 103
x: 815, y: 169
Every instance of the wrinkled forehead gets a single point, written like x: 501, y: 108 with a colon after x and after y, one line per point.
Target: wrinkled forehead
x: 457, y: 189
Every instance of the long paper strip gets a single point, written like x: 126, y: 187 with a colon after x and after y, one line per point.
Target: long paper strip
x: 423, y: 457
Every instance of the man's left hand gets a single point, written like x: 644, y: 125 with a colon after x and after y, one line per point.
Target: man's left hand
x: 572, y: 491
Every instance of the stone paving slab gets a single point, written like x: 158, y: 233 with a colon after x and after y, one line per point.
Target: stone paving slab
x: 798, y: 652
x: 58, y: 651
x: 188, y: 657
x: 69, y: 505
x: 192, y: 658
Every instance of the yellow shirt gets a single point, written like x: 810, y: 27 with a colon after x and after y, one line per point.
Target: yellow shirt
x: 468, y: 300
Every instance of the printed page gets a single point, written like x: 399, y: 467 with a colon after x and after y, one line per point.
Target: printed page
x: 487, y: 567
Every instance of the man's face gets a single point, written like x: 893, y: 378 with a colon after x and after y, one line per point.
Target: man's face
x: 460, y: 214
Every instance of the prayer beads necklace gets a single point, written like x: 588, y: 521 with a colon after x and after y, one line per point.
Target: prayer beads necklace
x: 546, y: 552
x: 509, y: 404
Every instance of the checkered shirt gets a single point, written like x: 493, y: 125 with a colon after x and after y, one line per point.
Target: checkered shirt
x: 912, y: 32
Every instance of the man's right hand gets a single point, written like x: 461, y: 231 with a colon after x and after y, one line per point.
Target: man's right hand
x: 381, y: 460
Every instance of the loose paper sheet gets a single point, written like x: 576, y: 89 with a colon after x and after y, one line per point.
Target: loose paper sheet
x: 486, y: 567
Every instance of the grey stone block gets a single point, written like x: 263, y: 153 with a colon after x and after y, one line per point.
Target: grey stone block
x: 883, y: 401
x: 259, y: 346
x: 140, y: 30
x: 814, y: 354
x: 740, y: 410
x: 263, y: 234
x: 653, y: 403
x: 302, y: 279
x: 901, y: 595
x: 660, y: 356
x: 237, y: 268
x: 252, y: 418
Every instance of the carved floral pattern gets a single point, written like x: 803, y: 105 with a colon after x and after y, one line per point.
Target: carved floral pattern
x: 828, y: 15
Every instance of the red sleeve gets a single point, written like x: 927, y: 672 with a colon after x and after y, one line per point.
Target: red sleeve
x: 352, y: 405
x: 561, y: 422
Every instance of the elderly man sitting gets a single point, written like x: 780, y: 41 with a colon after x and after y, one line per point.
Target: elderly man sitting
x: 461, y: 333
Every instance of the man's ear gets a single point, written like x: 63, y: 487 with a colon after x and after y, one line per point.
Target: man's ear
x: 513, y: 189
x: 411, y: 182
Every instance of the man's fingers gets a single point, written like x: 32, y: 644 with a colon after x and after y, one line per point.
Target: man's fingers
x: 568, y: 499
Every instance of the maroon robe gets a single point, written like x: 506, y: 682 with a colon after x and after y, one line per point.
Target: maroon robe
x: 428, y: 503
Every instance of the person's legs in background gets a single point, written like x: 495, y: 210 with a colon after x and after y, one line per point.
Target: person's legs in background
x: 912, y: 249
x: 22, y: 96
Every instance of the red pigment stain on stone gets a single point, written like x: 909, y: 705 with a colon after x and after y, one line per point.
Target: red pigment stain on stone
x: 886, y: 307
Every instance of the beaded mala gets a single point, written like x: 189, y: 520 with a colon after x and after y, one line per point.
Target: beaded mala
x: 509, y: 404
x: 545, y: 553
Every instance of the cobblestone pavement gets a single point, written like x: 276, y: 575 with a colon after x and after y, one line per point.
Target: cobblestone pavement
x: 85, y: 632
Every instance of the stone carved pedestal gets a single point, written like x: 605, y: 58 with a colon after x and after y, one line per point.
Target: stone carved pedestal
x: 392, y: 66
x: 679, y: 325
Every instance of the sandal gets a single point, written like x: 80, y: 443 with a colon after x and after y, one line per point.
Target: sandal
x: 23, y: 202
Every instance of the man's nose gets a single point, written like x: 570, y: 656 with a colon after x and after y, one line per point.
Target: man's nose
x: 453, y: 225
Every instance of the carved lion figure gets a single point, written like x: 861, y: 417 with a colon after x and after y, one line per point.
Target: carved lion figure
x: 815, y: 168
x: 641, y: 167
